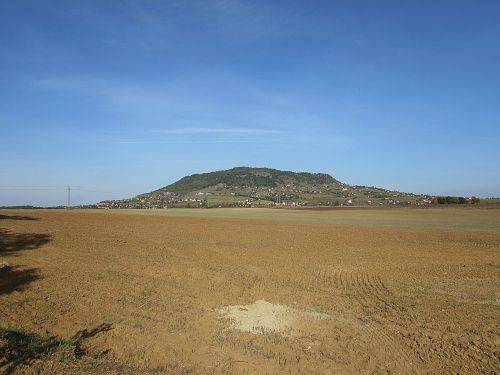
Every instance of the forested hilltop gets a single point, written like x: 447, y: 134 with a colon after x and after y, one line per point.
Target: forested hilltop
x: 264, y: 187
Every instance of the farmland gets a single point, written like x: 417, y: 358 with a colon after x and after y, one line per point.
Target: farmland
x: 342, y: 291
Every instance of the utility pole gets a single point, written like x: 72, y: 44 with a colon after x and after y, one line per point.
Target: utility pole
x: 69, y: 198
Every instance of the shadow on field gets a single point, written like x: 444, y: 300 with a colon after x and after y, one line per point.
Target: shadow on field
x: 14, y: 278
x: 18, y: 347
x: 9, y: 217
x: 11, y: 242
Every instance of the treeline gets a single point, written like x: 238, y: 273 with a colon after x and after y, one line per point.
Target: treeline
x: 456, y: 200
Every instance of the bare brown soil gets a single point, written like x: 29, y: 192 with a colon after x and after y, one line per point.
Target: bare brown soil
x: 391, y: 300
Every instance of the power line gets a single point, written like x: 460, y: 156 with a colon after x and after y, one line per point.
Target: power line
x: 55, y: 188
x: 102, y: 192
x: 68, y: 190
x: 30, y: 188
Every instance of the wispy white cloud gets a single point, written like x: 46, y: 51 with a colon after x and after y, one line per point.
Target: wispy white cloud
x: 203, y: 141
x: 165, y: 113
x: 205, y: 130
x: 194, y: 161
x: 113, y: 96
x: 114, y: 92
x: 160, y: 25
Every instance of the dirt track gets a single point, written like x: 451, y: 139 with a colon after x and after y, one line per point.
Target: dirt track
x: 397, y: 300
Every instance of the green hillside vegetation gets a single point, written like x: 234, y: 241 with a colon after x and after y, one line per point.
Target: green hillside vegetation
x: 456, y: 200
x: 245, y: 177
x: 265, y: 187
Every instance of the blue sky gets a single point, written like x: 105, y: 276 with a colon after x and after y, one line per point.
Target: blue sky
x: 123, y: 97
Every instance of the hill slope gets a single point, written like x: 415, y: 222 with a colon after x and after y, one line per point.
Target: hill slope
x: 247, y: 177
x: 244, y: 187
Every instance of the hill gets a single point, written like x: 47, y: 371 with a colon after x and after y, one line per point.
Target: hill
x: 245, y: 177
x: 253, y: 187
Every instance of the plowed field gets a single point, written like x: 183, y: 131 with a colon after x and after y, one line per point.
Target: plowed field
x: 315, y: 294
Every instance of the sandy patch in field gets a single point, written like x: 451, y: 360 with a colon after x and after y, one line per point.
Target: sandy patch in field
x: 262, y: 316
